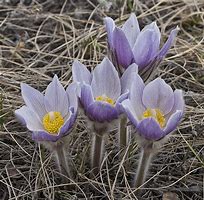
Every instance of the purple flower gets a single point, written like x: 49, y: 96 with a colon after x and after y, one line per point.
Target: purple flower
x: 130, y: 45
x: 49, y: 116
x: 102, y: 91
x: 155, y: 110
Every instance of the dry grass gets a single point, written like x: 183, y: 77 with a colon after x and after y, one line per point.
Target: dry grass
x: 39, y: 41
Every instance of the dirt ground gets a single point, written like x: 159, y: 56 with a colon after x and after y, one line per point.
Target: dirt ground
x: 43, y: 38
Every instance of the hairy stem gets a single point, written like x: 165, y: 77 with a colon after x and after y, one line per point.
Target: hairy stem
x: 145, y: 160
x: 97, y: 152
x: 62, y: 161
x: 123, y: 134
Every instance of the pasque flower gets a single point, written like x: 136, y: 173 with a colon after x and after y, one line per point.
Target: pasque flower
x: 130, y: 45
x: 49, y: 116
x: 155, y: 109
x: 102, y: 91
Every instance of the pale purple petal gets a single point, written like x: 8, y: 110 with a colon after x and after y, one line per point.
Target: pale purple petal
x: 102, y: 112
x: 119, y: 101
x: 72, y: 95
x: 80, y: 73
x: 173, y: 121
x: 68, y: 123
x: 56, y: 97
x: 29, y: 118
x: 146, y: 45
x: 158, y: 94
x: 130, y: 112
x: 86, y: 96
x: 33, y: 99
x: 135, y: 96
x: 110, y: 25
x: 122, y: 48
x: 131, y: 29
x: 44, y: 136
x: 179, y: 103
x: 168, y: 43
x: 150, y: 129
x: 106, y: 80
x: 126, y: 79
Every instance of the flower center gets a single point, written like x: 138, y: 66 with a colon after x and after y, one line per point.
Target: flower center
x: 52, y: 122
x: 156, y: 114
x: 106, y: 99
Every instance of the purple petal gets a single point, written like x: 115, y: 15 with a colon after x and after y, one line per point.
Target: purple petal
x: 29, y: 118
x: 126, y: 79
x: 150, y: 129
x: 129, y: 110
x: 44, y: 136
x: 168, y: 43
x: 72, y: 95
x: 80, y: 73
x: 33, y: 99
x: 135, y: 96
x: 146, y: 45
x: 173, y: 121
x: 106, y: 80
x: 122, y: 48
x: 68, y: 123
x: 86, y: 96
x: 56, y: 97
x: 102, y: 112
x: 119, y: 101
x: 158, y: 94
x: 179, y: 103
x: 110, y: 25
x: 131, y: 29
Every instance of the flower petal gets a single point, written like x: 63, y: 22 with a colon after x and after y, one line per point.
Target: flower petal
x: 122, y: 48
x: 118, y: 104
x: 168, y: 43
x: 146, y: 45
x: 33, y: 99
x: 150, y: 129
x: 72, y: 95
x: 56, y: 97
x: 173, y: 121
x: 102, y: 112
x: 44, y: 136
x: 135, y: 96
x: 129, y: 110
x: 86, y: 95
x: 179, y: 103
x: 80, y: 73
x: 110, y: 25
x: 158, y: 94
x: 131, y: 29
x: 68, y: 123
x: 106, y: 80
x: 126, y: 79
x: 29, y: 118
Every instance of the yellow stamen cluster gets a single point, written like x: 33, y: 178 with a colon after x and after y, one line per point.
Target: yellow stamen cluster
x: 52, y: 122
x: 105, y: 99
x: 156, y: 114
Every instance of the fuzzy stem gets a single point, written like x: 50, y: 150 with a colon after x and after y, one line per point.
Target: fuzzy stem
x: 62, y: 161
x: 123, y: 134
x: 97, y: 152
x: 145, y: 160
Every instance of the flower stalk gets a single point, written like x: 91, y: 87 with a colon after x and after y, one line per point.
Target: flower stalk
x: 62, y: 161
x: 97, y: 151
x: 143, y: 167
x: 123, y: 134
